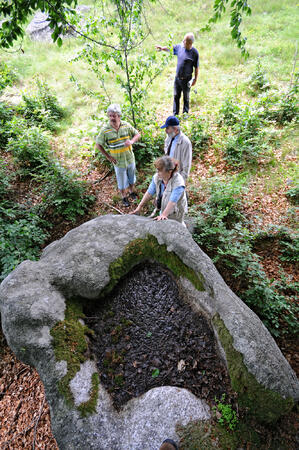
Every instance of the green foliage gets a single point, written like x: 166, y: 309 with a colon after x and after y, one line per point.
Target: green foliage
x: 199, y: 136
x: 6, y: 114
x: 229, y: 112
x: 237, y: 10
x: 155, y: 373
x: 7, y: 76
x: 258, y: 83
x: 42, y: 108
x: 289, y: 248
x: 222, y: 232
x: 63, y: 194
x: 149, y: 147
x: 246, y: 141
x: 284, y: 107
x: 30, y: 147
x: 293, y: 194
x: 228, y: 417
x: 22, y: 234
x: 16, y: 13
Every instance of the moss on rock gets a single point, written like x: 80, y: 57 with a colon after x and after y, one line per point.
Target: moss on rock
x: 266, y: 405
x: 70, y: 345
x: 142, y: 250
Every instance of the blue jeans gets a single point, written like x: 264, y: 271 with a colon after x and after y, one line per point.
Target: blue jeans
x: 125, y: 176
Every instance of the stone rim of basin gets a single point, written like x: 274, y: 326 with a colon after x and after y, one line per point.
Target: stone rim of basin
x: 88, y: 262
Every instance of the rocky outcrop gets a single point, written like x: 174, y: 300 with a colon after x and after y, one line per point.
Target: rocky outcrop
x: 39, y: 307
x: 39, y: 28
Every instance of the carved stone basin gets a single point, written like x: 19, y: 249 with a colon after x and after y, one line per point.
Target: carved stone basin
x: 41, y: 307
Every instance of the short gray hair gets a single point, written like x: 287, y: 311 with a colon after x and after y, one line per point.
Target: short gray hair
x: 167, y: 163
x: 190, y: 36
x: 114, y: 108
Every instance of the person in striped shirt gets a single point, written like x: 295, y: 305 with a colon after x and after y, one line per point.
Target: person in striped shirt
x: 115, y: 142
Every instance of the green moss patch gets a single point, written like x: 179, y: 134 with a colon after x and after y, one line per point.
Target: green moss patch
x: 208, y: 435
x: 266, y: 405
x: 142, y: 250
x: 70, y: 345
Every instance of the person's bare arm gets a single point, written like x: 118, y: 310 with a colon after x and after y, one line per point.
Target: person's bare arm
x: 195, y: 76
x: 106, y: 154
x: 168, y: 210
x: 161, y: 48
x: 133, y: 140
x: 144, y: 200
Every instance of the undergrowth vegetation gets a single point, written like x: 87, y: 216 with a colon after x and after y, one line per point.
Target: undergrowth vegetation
x: 26, y: 157
x: 224, y: 233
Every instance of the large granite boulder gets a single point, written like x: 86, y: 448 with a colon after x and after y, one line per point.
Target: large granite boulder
x: 39, y: 28
x: 41, y: 322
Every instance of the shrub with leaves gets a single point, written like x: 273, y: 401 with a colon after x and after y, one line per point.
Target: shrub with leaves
x: 246, y: 141
x: 258, y: 83
x: 229, y: 112
x: 30, y: 148
x: 63, y: 194
x: 7, y: 76
x: 6, y: 114
x: 285, y: 107
x: 222, y: 233
x: 293, y: 195
x: 149, y: 147
x: 42, y: 108
x: 22, y: 233
x: 199, y: 136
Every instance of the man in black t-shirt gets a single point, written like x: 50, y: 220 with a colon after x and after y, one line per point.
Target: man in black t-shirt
x: 187, y: 59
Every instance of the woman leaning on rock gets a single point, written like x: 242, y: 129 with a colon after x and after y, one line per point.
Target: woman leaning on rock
x: 169, y: 187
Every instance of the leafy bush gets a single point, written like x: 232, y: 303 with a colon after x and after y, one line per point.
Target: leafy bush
x: 199, y: 136
x: 63, y: 194
x: 30, y: 148
x: 293, y: 195
x: 258, y: 83
x: 229, y: 112
x: 246, y: 140
x: 22, y: 234
x: 221, y: 231
x: 285, y: 108
x: 42, y: 108
x: 7, y: 76
x: 290, y: 248
x: 149, y: 147
x: 243, y: 149
x: 5, y: 179
x: 6, y: 114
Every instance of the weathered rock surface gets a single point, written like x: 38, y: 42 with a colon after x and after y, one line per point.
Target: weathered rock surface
x: 91, y: 259
x: 39, y: 29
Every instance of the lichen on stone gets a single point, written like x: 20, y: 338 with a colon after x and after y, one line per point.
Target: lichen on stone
x: 266, y: 405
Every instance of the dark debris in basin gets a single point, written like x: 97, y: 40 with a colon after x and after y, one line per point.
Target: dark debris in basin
x: 146, y: 336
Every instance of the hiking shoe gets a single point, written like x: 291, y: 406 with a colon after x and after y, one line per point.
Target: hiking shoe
x: 133, y: 196
x: 126, y: 201
x: 169, y: 444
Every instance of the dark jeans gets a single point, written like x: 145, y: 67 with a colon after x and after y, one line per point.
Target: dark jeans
x: 179, y: 86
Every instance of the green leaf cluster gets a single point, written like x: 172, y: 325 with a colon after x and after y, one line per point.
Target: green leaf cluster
x: 223, y: 233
